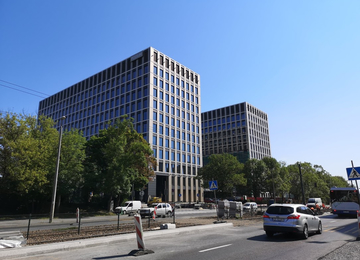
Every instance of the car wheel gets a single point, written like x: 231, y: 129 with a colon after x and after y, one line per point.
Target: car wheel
x: 319, y: 231
x: 169, y: 214
x: 269, y: 234
x: 305, y: 233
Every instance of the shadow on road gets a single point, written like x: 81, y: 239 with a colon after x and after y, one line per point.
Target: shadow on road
x: 110, y: 257
x: 279, y: 237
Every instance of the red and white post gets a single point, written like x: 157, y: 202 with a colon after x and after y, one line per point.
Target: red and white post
x: 139, y: 238
x: 154, y: 213
x: 139, y: 232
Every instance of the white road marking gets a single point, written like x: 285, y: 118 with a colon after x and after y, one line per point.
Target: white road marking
x: 205, y: 250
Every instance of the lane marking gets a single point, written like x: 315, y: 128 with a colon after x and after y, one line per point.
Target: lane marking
x: 351, y: 230
x: 213, y: 248
x: 330, y: 229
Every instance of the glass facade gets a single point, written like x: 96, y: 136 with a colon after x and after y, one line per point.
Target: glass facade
x: 125, y: 88
x: 236, y: 129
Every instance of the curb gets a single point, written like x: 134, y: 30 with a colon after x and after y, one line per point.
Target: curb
x: 90, y: 242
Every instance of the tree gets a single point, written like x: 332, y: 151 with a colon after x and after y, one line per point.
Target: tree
x: 272, y: 174
x: 27, y: 148
x: 119, y: 159
x: 71, y: 166
x: 224, y: 168
x: 255, y: 173
x: 284, y: 185
x: 277, y: 177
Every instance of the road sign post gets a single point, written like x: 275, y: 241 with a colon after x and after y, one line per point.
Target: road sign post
x: 214, y: 186
x: 353, y: 174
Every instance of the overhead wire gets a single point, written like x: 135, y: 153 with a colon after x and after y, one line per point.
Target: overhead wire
x: 44, y: 94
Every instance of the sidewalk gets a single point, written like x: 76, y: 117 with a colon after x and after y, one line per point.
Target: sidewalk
x: 91, y: 242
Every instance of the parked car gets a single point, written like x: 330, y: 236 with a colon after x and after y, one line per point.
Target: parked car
x: 291, y: 218
x: 250, y: 205
x: 162, y: 210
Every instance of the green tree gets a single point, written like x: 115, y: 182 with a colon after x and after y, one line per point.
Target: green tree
x: 27, y: 148
x: 338, y: 181
x: 272, y: 173
x: 71, y: 166
x: 255, y: 173
x: 119, y: 159
x: 277, y: 177
x: 225, y: 169
x: 284, y: 186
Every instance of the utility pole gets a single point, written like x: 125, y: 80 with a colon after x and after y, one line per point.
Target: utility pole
x: 302, y: 185
x: 56, y: 174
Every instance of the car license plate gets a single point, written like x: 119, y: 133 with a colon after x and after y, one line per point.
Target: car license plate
x: 346, y: 211
x: 278, y: 219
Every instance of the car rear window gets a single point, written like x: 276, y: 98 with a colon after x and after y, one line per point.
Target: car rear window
x: 280, y: 210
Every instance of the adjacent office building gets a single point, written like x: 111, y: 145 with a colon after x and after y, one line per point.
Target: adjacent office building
x: 241, y: 130
x: 163, y: 97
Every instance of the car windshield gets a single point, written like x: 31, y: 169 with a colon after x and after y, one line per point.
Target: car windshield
x: 311, y: 200
x: 280, y: 210
x: 247, y: 204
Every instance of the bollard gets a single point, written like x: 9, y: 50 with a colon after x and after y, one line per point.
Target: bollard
x: 174, y: 214
x: 358, y: 217
x: 139, y: 232
x: 79, y: 226
x: 139, y: 238
x: 28, y: 229
x: 154, y: 213
x: 77, y: 215
x: 118, y: 222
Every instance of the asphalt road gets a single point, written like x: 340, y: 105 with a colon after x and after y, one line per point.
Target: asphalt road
x: 227, y: 242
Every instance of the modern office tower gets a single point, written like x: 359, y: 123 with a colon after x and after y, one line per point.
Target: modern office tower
x: 163, y: 97
x: 241, y: 130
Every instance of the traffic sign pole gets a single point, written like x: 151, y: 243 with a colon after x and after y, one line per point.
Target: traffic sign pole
x: 214, y: 186
x: 217, y: 206
x: 357, y: 188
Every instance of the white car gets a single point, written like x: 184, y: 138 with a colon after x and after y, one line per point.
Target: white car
x: 291, y: 218
x: 250, y: 205
x: 162, y: 210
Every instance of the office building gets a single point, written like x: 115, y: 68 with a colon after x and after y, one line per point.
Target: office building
x: 163, y: 97
x: 241, y: 130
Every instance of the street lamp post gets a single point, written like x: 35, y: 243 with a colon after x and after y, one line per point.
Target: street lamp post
x: 56, y: 174
x: 302, y: 185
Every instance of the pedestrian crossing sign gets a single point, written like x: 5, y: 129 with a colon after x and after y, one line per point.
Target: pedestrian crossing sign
x: 353, y: 173
x: 213, y: 185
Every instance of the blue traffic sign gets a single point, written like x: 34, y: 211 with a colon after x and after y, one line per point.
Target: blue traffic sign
x: 353, y: 173
x: 213, y: 185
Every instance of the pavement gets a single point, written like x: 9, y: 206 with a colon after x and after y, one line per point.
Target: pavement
x: 17, y: 252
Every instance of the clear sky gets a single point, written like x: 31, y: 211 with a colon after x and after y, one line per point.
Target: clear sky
x: 298, y: 61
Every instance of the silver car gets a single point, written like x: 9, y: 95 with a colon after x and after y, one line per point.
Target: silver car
x: 291, y: 218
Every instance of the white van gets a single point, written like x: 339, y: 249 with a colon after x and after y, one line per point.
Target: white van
x: 130, y: 207
x: 312, y: 202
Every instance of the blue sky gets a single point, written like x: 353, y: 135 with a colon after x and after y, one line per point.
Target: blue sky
x: 298, y: 61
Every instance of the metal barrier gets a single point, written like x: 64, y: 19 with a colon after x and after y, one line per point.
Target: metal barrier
x: 235, y: 209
